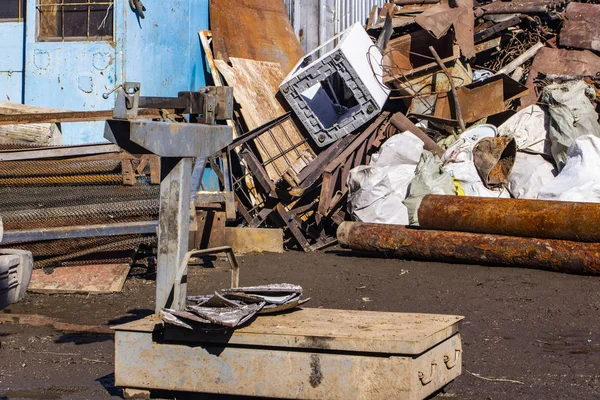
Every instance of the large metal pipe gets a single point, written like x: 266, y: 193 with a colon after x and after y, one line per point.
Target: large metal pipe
x: 471, y: 248
x: 563, y: 220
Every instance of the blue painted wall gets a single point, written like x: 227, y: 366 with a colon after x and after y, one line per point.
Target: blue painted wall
x: 12, y: 40
x: 166, y: 46
x: 162, y: 51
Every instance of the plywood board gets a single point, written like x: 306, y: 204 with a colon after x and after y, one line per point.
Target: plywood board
x: 254, y: 240
x: 107, y: 278
x: 254, y: 29
x: 255, y: 86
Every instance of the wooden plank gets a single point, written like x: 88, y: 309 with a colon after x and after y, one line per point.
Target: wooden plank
x: 93, y: 279
x: 205, y: 37
x: 254, y: 29
x: 44, y: 134
x: 42, y: 320
x: 10, y: 108
x: 39, y: 134
x: 254, y: 240
x: 256, y: 84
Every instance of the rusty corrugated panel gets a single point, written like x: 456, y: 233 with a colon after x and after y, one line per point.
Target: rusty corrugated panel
x: 514, y: 217
x: 471, y: 248
x: 580, y: 29
x: 258, y: 30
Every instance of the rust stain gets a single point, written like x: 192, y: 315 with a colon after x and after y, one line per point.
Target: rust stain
x: 316, y: 376
x: 580, y: 26
x: 267, y: 32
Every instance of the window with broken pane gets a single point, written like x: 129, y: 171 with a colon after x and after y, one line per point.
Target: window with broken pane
x: 69, y: 20
x: 12, y: 10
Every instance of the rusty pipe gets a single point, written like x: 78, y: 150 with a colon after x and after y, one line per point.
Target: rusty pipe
x: 515, y: 7
x: 563, y: 220
x: 400, y: 122
x: 471, y: 248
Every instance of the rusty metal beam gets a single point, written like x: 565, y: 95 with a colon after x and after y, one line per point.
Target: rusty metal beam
x: 400, y: 122
x: 471, y: 248
x: 517, y: 7
x: 68, y: 116
x: 35, y: 153
x: 513, y: 217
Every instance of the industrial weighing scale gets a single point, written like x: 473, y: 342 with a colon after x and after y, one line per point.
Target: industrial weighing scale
x: 304, y: 353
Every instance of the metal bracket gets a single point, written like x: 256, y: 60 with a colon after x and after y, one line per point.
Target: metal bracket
x: 177, y: 289
x: 128, y: 100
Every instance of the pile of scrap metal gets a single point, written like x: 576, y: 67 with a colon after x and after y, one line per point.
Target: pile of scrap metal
x: 524, y: 148
x: 452, y: 97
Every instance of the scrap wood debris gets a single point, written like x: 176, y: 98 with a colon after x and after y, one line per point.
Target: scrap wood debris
x: 503, y: 95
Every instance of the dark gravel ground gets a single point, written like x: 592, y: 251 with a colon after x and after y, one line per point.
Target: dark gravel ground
x: 527, y: 334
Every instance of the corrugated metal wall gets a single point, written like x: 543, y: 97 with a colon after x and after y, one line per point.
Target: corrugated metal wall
x: 315, y: 21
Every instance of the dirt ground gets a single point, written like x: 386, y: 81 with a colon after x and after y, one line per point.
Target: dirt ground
x: 527, y: 334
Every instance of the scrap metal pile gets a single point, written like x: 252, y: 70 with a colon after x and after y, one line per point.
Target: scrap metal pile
x: 459, y: 97
x: 454, y: 97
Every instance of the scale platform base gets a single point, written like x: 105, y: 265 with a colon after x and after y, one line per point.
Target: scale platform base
x: 308, y: 354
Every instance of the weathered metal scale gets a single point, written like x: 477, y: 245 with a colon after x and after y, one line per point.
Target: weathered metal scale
x: 307, y: 353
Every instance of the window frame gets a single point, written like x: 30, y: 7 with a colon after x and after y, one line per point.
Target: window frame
x: 78, y: 39
x: 21, y: 13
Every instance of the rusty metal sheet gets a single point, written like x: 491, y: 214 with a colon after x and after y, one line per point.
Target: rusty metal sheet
x: 258, y: 30
x: 559, y: 62
x: 546, y: 219
x: 107, y: 278
x: 477, y: 100
x: 471, y: 248
x: 409, y: 54
x: 580, y: 29
x: 438, y: 19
